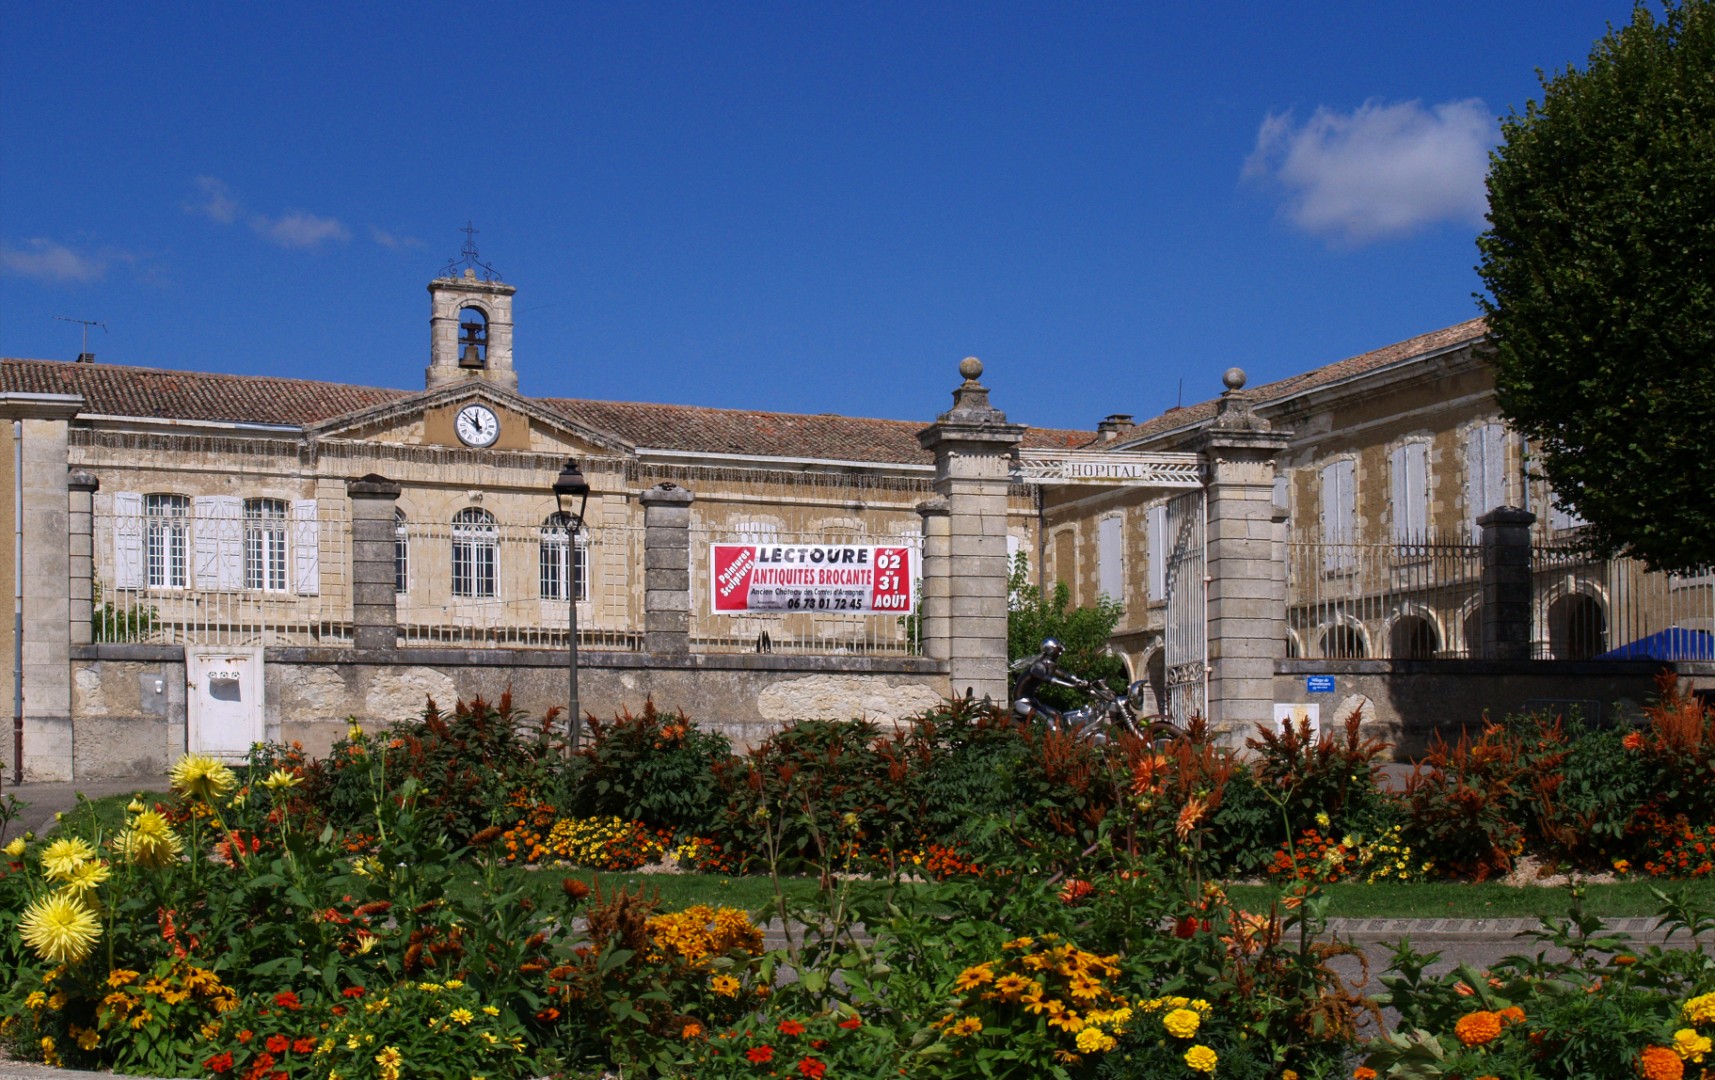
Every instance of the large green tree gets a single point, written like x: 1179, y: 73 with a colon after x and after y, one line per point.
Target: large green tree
x: 1600, y: 268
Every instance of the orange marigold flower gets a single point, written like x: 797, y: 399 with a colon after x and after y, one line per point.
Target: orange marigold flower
x: 691, y: 1030
x: 1660, y: 1063
x: 1512, y: 1014
x: 1363, y: 1072
x: 1475, y: 1029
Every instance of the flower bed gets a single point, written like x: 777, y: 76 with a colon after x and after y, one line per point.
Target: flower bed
x: 296, y: 918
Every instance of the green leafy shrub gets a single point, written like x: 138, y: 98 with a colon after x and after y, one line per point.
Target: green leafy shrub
x: 658, y: 768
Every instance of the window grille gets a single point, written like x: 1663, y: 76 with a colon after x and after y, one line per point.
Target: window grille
x: 475, y: 553
x: 552, y: 561
x: 166, y: 539
x: 265, y: 544
x: 401, y: 554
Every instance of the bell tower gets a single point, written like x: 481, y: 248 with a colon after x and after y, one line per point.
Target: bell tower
x: 470, y: 323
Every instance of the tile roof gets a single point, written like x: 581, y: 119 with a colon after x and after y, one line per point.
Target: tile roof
x: 118, y: 390
x: 1434, y: 341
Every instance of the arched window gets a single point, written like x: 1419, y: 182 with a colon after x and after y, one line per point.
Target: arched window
x: 554, y: 571
x: 265, y: 544
x: 166, y: 539
x: 475, y: 553
x: 1413, y: 637
x: 473, y: 338
x: 401, y: 554
x: 1577, y: 627
x: 1342, y: 642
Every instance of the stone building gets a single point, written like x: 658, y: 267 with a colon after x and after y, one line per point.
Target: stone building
x: 209, y: 560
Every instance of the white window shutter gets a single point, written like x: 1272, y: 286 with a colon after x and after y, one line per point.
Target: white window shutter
x: 217, y: 542
x: 1399, y: 491
x: 1158, y: 552
x: 1339, y: 512
x: 1485, y: 475
x: 127, y: 540
x: 1110, y: 557
x: 305, y: 550
x: 1495, y: 464
x: 1409, y: 468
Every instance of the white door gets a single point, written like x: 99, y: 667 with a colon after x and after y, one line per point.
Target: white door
x: 224, y: 701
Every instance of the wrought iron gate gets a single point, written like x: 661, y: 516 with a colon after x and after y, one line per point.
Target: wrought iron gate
x: 1187, y: 640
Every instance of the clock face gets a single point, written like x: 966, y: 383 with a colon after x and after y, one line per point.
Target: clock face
x: 477, y: 425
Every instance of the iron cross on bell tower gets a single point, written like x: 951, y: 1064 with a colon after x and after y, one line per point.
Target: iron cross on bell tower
x: 470, y: 322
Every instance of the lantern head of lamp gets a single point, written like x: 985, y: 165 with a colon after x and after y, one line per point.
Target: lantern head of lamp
x: 571, y: 486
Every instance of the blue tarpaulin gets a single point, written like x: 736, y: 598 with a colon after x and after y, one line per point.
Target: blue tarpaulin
x: 1674, y: 643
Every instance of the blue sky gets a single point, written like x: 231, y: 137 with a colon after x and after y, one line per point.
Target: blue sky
x: 804, y: 207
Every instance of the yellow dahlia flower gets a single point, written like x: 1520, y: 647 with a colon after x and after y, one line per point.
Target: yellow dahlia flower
x: 15, y: 848
x: 202, y: 777
x: 280, y: 779
x: 59, y: 928
x: 149, y: 841
x: 87, y: 877
x: 62, y: 857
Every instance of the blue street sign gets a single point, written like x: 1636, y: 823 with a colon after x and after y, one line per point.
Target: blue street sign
x: 1318, y: 684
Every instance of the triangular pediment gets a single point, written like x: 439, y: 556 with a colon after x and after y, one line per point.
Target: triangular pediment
x: 429, y: 419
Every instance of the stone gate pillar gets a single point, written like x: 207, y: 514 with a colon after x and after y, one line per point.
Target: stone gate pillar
x: 374, y: 551
x: 1246, y: 564
x: 666, y: 570
x: 932, y: 621
x: 44, y: 420
x: 973, y: 444
x: 1506, y: 583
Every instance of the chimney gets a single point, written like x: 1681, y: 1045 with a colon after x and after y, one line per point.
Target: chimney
x: 1111, y: 426
x: 86, y: 358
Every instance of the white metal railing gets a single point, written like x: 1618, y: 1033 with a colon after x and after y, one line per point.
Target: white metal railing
x: 1418, y: 601
x: 1584, y: 607
x: 177, y: 571
x: 1423, y: 601
x: 489, y: 584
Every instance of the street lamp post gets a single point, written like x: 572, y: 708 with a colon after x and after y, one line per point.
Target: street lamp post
x: 570, y: 485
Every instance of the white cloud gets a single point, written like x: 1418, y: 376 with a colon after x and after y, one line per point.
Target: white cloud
x: 1381, y: 170
x: 46, y: 260
x: 215, y: 201
x: 297, y: 229
x: 389, y: 240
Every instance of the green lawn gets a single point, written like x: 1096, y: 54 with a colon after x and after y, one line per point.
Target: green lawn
x: 1433, y: 900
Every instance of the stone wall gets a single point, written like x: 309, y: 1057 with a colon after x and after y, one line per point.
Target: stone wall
x: 130, y: 699
x: 1414, y: 698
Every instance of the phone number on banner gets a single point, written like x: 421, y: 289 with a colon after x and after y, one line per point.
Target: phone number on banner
x: 859, y: 579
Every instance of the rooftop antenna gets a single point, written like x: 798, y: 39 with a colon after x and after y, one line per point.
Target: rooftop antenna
x: 1180, y: 404
x: 469, y: 258
x: 85, y: 356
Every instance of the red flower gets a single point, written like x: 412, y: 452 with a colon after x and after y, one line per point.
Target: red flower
x: 287, y: 1000
x: 811, y: 1068
x: 353, y: 991
x: 852, y: 1023
x: 791, y: 1027
x: 305, y: 1045
x: 262, y: 1064
x: 277, y: 1044
x: 246, y: 1035
x: 219, y: 1063
x: 760, y: 1055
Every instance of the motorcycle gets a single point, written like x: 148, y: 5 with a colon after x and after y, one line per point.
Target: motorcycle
x: 1094, y: 721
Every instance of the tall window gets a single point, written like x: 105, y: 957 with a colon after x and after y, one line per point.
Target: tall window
x: 401, y: 554
x: 1110, y: 557
x: 1408, y: 466
x: 475, y: 553
x: 1485, y: 471
x: 166, y: 537
x: 554, y: 571
x: 265, y: 544
x: 1339, y: 515
x: 1159, y: 545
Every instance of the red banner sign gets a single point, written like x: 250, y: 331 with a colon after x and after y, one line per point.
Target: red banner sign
x: 857, y: 579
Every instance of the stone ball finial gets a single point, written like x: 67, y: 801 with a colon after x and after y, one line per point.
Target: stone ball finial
x: 1234, y: 378
x: 971, y: 368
